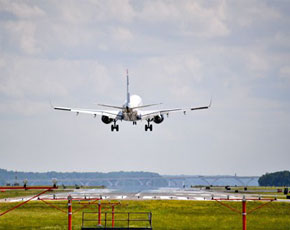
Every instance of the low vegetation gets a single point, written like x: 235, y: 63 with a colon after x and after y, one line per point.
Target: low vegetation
x: 167, y: 215
x: 262, y: 191
x: 25, y: 193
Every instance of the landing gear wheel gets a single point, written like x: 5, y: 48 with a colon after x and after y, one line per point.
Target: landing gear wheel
x: 114, y: 126
x: 148, y: 126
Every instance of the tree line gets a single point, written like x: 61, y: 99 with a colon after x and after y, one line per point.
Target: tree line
x: 281, y: 178
x: 13, y: 176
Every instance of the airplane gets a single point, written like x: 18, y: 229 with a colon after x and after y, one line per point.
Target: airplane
x: 130, y: 111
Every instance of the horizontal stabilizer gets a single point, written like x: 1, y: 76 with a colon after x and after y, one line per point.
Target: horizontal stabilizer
x: 144, y: 106
x: 62, y: 108
x: 111, y: 106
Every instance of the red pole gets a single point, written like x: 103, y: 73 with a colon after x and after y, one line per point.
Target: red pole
x: 69, y: 204
x: 17, y: 206
x: 244, y: 213
x: 113, y: 216
x: 99, y: 213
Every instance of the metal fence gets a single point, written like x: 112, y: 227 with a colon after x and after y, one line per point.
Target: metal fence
x: 125, y: 220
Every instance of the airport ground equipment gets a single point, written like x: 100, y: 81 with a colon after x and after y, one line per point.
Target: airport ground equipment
x: 244, y: 200
x: 69, y: 199
x: 123, y: 221
x: 111, y: 205
x: 87, y: 202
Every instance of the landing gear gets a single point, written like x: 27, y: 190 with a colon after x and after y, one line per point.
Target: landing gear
x: 134, y: 122
x: 148, y: 126
x: 114, y: 126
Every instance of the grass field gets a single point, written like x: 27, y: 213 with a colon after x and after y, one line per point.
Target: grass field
x: 267, y: 192
x: 181, y: 215
x: 26, y: 193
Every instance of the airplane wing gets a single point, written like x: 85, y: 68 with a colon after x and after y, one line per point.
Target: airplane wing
x: 150, y: 114
x: 114, y: 114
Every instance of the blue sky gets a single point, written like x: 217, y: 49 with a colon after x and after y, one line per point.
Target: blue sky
x: 178, y: 52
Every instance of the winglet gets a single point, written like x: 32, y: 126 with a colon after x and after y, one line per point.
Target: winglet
x: 210, y: 102
x: 51, y: 105
x: 203, y: 107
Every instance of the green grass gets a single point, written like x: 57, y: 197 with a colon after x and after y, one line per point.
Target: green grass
x: 181, y: 215
x: 10, y: 193
x: 265, y: 192
x: 24, y: 193
x: 241, y: 188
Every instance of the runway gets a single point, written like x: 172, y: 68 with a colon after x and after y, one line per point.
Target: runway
x: 159, y: 194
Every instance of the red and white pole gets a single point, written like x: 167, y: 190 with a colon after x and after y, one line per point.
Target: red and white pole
x: 99, y: 213
x: 113, y: 216
x: 69, y: 205
x: 244, y: 213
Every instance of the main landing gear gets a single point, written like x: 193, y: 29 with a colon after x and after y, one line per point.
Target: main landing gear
x: 114, y: 126
x: 148, y: 126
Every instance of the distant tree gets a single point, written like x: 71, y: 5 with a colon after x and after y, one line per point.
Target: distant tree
x: 2, y: 181
x: 71, y: 178
x: 281, y: 178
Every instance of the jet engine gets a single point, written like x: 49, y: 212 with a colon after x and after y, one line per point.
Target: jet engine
x: 158, y: 119
x: 106, y: 119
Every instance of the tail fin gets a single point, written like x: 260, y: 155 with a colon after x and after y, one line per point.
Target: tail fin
x: 128, y: 93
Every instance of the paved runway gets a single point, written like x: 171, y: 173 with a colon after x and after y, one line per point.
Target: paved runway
x: 159, y: 194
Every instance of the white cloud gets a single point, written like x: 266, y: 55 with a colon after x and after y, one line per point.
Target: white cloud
x: 285, y: 71
x: 33, y: 81
x: 22, y: 33
x: 177, y: 52
x: 22, y: 10
x: 88, y: 11
x: 282, y: 38
x: 24, y: 107
x: 187, y: 17
x: 248, y: 13
x: 257, y: 63
x: 2, y: 63
x: 174, y: 66
x: 72, y: 25
x: 121, y: 34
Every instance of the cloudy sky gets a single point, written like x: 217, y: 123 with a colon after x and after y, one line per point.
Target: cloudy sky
x: 178, y: 52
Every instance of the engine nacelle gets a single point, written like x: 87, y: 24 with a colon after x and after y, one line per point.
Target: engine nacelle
x: 158, y: 119
x: 106, y: 119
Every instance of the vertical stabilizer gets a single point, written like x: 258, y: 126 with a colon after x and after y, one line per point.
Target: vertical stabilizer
x: 128, y: 93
